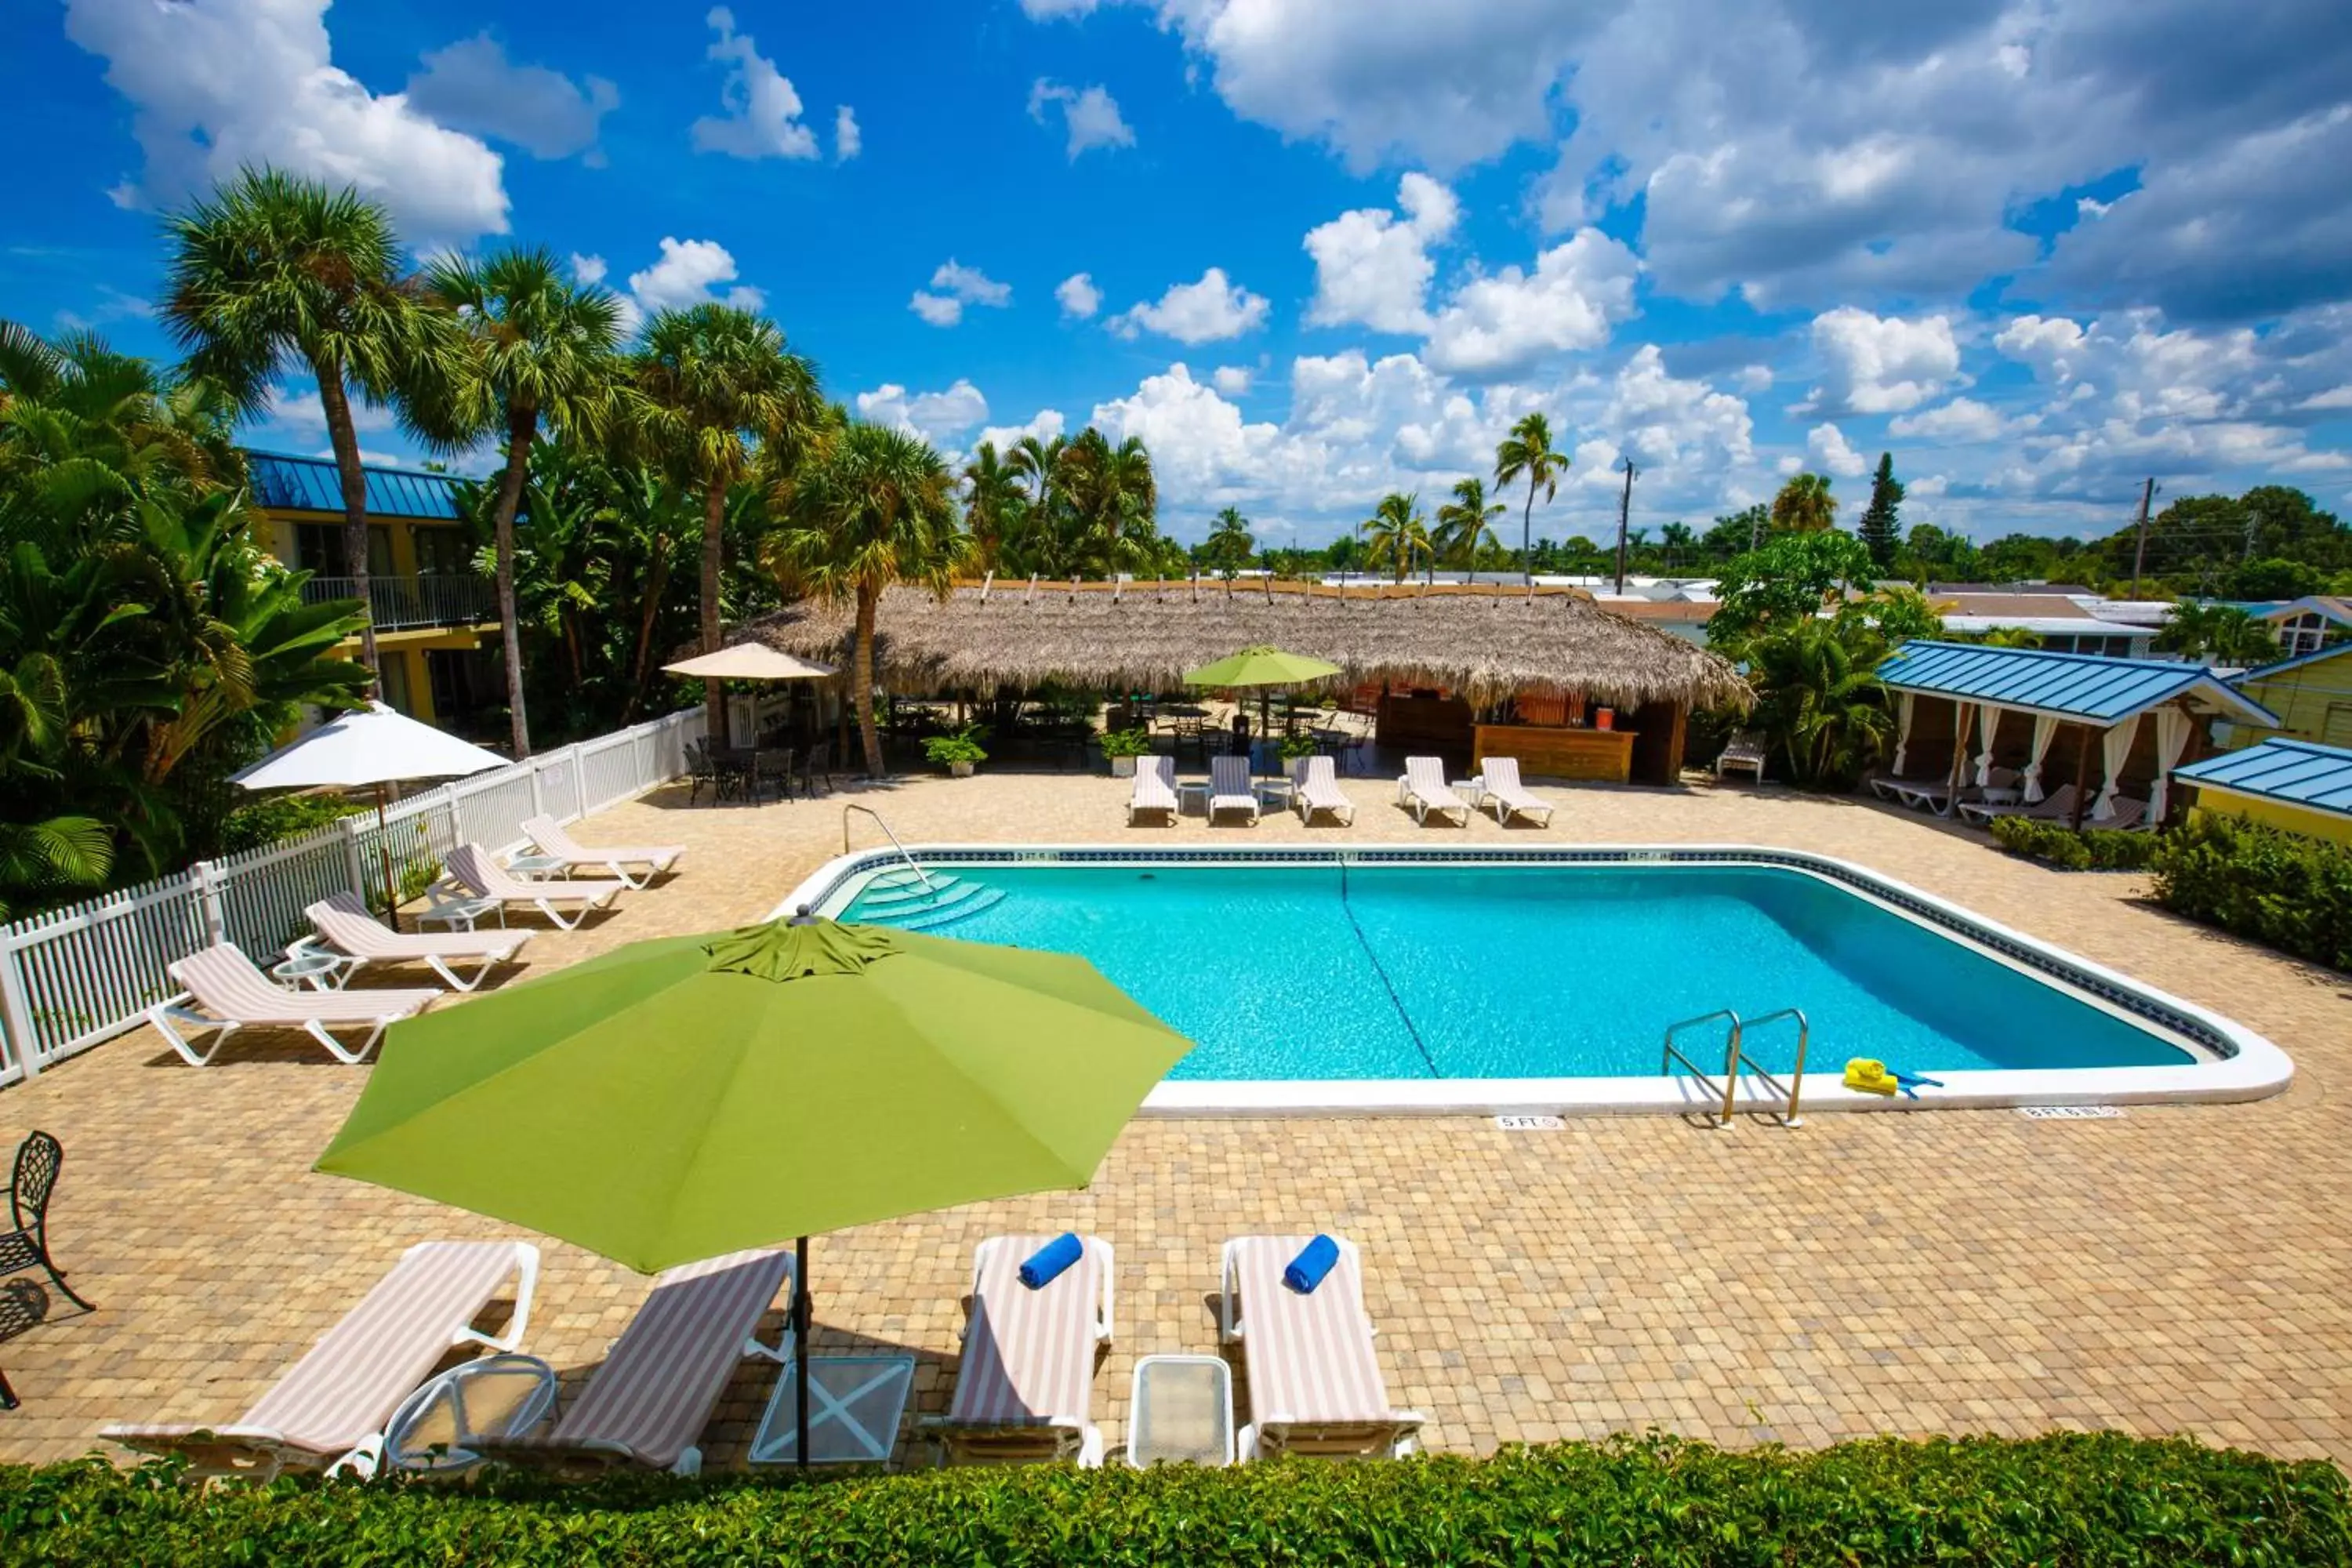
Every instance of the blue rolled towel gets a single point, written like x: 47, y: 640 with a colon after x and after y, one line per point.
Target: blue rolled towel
x: 1314, y: 1259
x: 1046, y: 1265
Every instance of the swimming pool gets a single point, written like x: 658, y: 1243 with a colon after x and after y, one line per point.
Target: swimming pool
x: 1433, y: 980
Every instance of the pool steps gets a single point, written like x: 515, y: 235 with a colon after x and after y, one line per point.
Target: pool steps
x: 899, y: 899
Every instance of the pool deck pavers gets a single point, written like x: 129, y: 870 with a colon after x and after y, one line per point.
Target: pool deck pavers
x: 2174, y: 1270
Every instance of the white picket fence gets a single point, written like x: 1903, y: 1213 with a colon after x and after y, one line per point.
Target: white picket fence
x: 81, y: 975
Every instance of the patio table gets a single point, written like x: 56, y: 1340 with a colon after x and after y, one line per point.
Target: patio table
x: 1180, y: 1411
x: 855, y: 1404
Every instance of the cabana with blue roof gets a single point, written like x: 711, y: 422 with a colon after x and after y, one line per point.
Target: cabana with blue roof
x: 2041, y: 714
x: 2300, y: 786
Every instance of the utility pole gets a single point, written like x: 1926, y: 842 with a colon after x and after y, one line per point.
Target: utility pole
x: 2139, y: 554
x: 1755, y: 529
x: 1624, y: 510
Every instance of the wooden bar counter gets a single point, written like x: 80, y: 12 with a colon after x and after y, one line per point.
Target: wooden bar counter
x: 1600, y: 756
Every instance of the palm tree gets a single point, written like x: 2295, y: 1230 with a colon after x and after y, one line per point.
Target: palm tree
x: 2221, y: 633
x: 1230, y: 542
x: 1465, y: 524
x: 874, y: 508
x: 542, y: 348
x: 1397, y: 534
x: 993, y: 503
x: 1804, y: 505
x: 705, y: 381
x: 275, y: 270
x: 1113, y: 495
x: 1528, y: 450
x: 1038, y: 461
x: 1820, y: 698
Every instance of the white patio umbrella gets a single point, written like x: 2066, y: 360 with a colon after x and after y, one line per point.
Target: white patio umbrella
x: 750, y: 661
x: 369, y: 748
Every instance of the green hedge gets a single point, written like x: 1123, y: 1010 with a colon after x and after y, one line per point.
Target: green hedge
x: 2073, y: 1499
x: 2291, y: 892
x: 2092, y: 849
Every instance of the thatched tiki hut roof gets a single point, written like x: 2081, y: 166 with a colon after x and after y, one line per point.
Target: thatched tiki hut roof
x: 1483, y: 641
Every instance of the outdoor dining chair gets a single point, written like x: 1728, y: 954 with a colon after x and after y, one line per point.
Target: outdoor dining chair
x: 39, y: 1158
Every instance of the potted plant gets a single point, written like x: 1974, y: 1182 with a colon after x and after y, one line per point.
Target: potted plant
x: 1292, y: 748
x: 957, y: 751
x: 1122, y: 747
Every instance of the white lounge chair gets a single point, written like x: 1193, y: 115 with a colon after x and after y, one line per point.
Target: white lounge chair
x: 1937, y: 795
x: 1229, y: 787
x: 346, y: 922
x: 2057, y: 806
x: 475, y: 877
x: 1155, y: 789
x: 1318, y: 790
x: 229, y: 993
x: 1315, y: 1382
x: 329, y: 1409
x: 1503, y: 791
x: 1744, y: 751
x: 647, y: 1403
x: 548, y: 835
x: 1423, y: 788
x: 1025, y: 1387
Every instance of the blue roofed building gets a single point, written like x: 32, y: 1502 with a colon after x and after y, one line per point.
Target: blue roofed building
x: 436, y: 619
x: 2299, y: 785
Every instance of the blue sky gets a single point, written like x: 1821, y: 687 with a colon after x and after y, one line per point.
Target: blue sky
x: 1313, y: 252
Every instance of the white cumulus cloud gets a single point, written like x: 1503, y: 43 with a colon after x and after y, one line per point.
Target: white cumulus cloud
x: 1046, y: 424
x: 588, y: 269
x: 1214, y: 309
x: 1962, y: 420
x: 1830, y: 449
x: 220, y: 87
x: 763, y: 111
x: 1090, y: 115
x: 847, y: 140
x: 1512, y: 319
x: 1880, y: 365
x: 938, y: 417
x: 954, y: 286
x: 1373, y: 268
x: 1232, y: 380
x: 472, y: 86
x: 1078, y: 296
x: 689, y: 272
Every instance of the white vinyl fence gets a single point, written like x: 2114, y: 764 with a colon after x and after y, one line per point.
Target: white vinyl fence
x: 81, y: 975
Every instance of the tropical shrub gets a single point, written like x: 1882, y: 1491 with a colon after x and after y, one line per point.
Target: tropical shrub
x: 2280, y: 889
x: 956, y: 746
x: 265, y: 822
x: 2092, y: 849
x: 2073, y: 1499
x: 1126, y: 742
x: 1819, y: 703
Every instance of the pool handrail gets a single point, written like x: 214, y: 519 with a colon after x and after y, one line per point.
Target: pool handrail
x: 1789, y: 1091
x: 1672, y: 1054
x: 920, y: 874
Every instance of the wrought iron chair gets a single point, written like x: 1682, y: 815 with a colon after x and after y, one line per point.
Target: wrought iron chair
x: 701, y: 768
x: 23, y: 1305
x: 26, y: 1246
x: 772, y: 767
x: 817, y: 764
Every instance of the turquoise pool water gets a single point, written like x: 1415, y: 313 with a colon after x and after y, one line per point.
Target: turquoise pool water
x: 1420, y: 970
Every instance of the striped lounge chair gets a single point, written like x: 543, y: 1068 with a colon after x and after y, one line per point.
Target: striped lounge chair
x: 1424, y: 789
x: 1230, y: 789
x: 346, y: 922
x: 1155, y: 789
x: 1318, y: 790
x: 1025, y: 1388
x: 474, y: 875
x: 329, y: 1409
x: 647, y: 1403
x: 549, y: 835
x: 1314, y: 1384
x: 229, y: 993
x: 1509, y: 798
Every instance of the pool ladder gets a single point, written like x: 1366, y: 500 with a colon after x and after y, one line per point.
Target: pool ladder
x: 1773, y: 1087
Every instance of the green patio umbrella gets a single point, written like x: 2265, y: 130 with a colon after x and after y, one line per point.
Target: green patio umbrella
x: 691, y: 1096
x: 1262, y: 668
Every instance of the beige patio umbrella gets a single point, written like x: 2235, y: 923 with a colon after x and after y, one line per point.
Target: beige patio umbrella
x: 750, y: 661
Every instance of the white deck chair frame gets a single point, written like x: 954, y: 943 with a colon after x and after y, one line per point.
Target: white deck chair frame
x: 459, y: 889
x: 1422, y: 788
x: 1073, y: 1438
x: 1223, y: 773
x: 1268, y: 1433
x: 1152, y: 771
x: 552, y: 838
x: 376, y: 1011
x: 492, y: 951
x: 1316, y: 787
x: 1502, y: 790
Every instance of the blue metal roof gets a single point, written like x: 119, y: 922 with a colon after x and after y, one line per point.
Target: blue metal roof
x: 310, y: 484
x: 2294, y: 772
x: 2090, y: 689
x: 2265, y: 671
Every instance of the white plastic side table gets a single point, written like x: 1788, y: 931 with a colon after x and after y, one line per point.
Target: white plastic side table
x: 495, y: 1396
x: 1180, y: 1410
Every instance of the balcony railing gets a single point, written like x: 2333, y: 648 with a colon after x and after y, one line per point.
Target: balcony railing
x: 397, y: 604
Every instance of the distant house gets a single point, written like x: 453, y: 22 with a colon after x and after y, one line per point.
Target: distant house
x: 2294, y: 785
x: 2060, y: 622
x: 2311, y: 693
x: 2308, y: 624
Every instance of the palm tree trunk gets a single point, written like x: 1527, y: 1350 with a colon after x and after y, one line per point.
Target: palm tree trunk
x: 714, y: 521
x: 522, y: 429
x: 861, y: 681
x: 656, y: 581
x: 346, y: 443
x: 1526, y: 533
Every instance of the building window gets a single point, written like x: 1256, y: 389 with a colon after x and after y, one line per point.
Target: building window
x: 441, y: 552
x: 2304, y: 634
x: 319, y: 549
x: 392, y: 682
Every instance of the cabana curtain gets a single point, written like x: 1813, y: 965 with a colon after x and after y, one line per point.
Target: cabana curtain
x: 2117, y: 748
x: 2172, y: 728
x: 2045, y: 725
x: 1987, y: 725
x: 1903, y: 729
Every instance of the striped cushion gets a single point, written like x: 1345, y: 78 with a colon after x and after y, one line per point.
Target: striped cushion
x: 1228, y: 779
x: 350, y: 1383
x: 1028, y: 1355
x: 470, y: 866
x: 225, y: 982
x: 345, y: 921
x: 549, y: 835
x: 1309, y: 1358
x: 1153, y: 791
x: 1425, y: 776
x: 663, y: 1376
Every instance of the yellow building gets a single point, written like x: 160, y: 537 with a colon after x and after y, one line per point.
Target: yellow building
x: 436, y: 619
x: 2311, y: 694
x: 2293, y: 785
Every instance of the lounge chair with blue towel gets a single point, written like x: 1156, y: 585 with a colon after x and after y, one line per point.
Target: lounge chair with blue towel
x: 1314, y: 1383
x: 1025, y: 1388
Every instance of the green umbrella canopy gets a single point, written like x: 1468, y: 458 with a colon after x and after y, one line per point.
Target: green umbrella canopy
x: 1260, y: 667
x: 691, y: 1096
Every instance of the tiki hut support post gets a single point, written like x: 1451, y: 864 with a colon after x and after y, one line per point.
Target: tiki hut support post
x: 2082, y: 773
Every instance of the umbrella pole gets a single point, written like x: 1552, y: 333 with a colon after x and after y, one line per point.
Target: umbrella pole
x: 799, y: 1347
x: 384, y: 857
